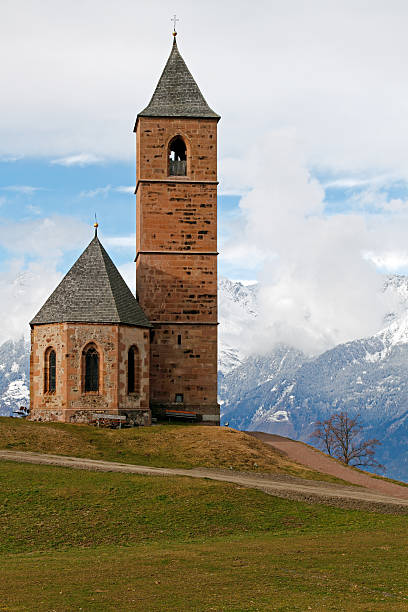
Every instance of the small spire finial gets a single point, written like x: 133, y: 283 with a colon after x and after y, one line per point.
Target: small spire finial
x: 96, y: 225
x: 174, y: 20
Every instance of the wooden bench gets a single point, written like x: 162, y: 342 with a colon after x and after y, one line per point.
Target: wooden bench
x: 181, y: 414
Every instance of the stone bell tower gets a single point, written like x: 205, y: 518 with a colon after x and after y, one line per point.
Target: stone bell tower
x: 176, y: 242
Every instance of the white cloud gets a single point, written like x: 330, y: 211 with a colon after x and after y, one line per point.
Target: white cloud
x: 46, y: 238
x: 318, y: 286
x: 337, y: 78
x: 104, y: 191
x: 23, y: 290
x: 236, y: 175
x: 350, y: 182
x: 10, y: 159
x: 98, y: 191
x: 128, y: 271
x: 81, y: 159
x: 389, y: 261
x: 32, y: 271
x: 248, y: 283
x: 125, y: 189
x: 121, y: 241
x: 35, y: 210
x: 23, y: 189
x: 375, y: 198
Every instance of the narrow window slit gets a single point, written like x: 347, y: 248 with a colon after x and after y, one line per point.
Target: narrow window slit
x: 91, y: 357
x: 133, y: 370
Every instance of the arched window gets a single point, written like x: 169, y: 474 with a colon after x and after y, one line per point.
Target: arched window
x: 133, y: 370
x: 90, y: 358
x: 177, y: 157
x: 50, y: 371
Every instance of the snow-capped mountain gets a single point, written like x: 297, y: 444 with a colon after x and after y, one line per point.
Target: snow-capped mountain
x: 285, y: 392
x: 14, y: 375
x: 237, y: 310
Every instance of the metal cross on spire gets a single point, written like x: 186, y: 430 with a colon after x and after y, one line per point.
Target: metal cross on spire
x: 174, y: 20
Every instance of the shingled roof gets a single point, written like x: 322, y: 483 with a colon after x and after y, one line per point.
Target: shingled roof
x: 177, y: 94
x: 93, y: 291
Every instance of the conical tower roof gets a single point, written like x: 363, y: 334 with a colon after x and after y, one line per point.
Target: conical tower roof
x: 93, y: 291
x: 177, y: 94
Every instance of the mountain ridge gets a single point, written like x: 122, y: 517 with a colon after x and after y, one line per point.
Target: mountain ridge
x: 285, y: 391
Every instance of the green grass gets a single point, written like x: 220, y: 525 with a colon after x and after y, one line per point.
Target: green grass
x: 49, y: 507
x: 174, y: 446
x: 237, y: 575
x: 72, y: 540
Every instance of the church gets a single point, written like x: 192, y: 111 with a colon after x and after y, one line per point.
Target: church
x: 96, y: 349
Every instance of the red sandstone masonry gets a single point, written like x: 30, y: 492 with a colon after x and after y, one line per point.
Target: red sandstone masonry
x: 153, y: 136
x: 179, y: 214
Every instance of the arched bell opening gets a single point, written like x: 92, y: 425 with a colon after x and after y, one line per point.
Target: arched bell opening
x: 177, y: 157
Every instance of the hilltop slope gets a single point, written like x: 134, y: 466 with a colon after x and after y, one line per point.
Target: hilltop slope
x: 174, y: 446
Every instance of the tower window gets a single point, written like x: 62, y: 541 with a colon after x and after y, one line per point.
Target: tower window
x: 179, y: 339
x: 91, y: 363
x: 133, y: 370
x: 177, y: 157
x: 179, y: 398
x: 50, y: 371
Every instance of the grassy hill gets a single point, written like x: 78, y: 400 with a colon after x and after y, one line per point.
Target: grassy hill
x: 176, y: 446
x: 79, y: 540
x: 73, y: 540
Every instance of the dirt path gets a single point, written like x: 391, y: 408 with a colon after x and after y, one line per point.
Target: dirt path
x: 306, y: 455
x: 280, y: 485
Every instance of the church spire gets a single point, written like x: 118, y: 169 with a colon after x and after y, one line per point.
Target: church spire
x: 177, y: 94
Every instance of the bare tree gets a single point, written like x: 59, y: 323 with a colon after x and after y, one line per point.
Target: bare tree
x: 341, y: 437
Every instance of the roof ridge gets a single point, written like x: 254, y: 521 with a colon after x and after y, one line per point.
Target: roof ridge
x: 102, y: 253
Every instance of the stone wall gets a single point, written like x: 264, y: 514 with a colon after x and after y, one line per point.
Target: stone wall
x: 153, y: 138
x: 133, y: 336
x: 41, y: 403
x: 106, y: 339
x: 178, y: 288
x: 176, y: 216
x: 70, y: 403
x: 188, y: 368
x: 176, y: 261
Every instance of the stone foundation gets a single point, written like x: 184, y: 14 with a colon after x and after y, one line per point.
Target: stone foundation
x: 137, y: 417
x: 86, y: 417
x: 46, y: 416
x: 133, y: 417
